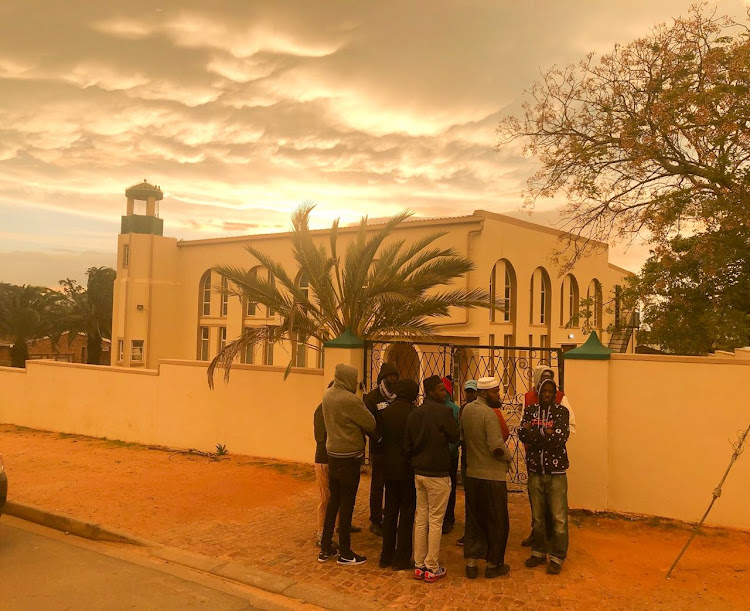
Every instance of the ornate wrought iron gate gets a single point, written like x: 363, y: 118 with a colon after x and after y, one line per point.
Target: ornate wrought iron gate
x: 513, y: 365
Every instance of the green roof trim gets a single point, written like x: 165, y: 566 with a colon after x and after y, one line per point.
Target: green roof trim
x: 591, y: 350
x: 346, y: 340
x: 140, y: 223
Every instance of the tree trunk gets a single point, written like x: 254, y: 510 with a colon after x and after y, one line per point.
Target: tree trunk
x: 93, y: 349
x: 18, y: 354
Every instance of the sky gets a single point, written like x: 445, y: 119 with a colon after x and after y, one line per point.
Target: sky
x: 241, y: 111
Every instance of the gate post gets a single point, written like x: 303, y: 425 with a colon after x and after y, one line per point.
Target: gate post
x: 587, y: 387
x: 348, y: 349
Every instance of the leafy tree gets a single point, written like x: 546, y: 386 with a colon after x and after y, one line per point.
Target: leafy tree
x: 653, y: 137
x: 380, y: 287
x: 695, y: 293
x: 89, y: 310
x: 28, y: 312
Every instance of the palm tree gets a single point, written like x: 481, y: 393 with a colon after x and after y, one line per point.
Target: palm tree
x: 376, y: 290
x: 27, y: 312
x: 89, y: 310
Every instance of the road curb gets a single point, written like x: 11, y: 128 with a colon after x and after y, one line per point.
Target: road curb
x: 68, y: 524
x: 319, y: 596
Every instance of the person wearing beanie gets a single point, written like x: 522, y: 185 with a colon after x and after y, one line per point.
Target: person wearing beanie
x: 485, y: 487
x: 430, y: 429
x: 347, y: 420
x: 449, y: 521
x: 400, y: 495
x: 545, y: 430
x: 541, y: 373
x: 378, y: 399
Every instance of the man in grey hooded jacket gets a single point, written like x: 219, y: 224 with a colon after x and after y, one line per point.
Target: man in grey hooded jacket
x: 347, y: 420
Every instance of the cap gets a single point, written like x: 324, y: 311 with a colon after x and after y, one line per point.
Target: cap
x: 470, y: 385
x: 487, y: 383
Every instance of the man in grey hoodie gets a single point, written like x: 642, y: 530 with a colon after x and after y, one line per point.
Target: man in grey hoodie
x: 347, y: 420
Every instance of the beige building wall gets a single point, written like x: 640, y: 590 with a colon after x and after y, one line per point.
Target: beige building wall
x: 164, y: 277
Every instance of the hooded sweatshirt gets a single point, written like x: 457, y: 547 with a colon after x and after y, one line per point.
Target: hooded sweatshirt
x: 346, y: 417
x: 545, y: 451
x: 379, y: 397
x: 392, y: 427
x: 532, y: 396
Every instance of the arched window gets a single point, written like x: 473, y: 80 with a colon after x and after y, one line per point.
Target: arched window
x: 594, y: 293
x: 205, y: 294
x: 569, y: 300
x: 539, y: 299
x: 224, y: 296
x: 503, y: 289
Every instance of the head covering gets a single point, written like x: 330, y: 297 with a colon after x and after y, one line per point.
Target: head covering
x: 406, y: 389
x: 385, y: 370
x: 554, y: 389
x: 470, y: 385
x: 345, y: 377
x: 430, y: 383
x: 538, y: 371
x: 487, y: 383
x: 448, y: 385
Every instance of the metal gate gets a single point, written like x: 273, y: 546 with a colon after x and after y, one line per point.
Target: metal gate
x: 512, y: 365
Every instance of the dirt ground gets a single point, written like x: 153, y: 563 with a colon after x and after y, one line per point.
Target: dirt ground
x: 261, y: 512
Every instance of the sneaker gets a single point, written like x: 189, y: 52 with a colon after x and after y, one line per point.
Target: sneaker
x: 554, y: 568
x: 384, y: 563
x: 433, y: 576
x: 533, y: 561
x: 352, y: 560
x: 325, y: 554
x: 419, y: 572
x: 526, y: 542
x: 496, y: 571
x: 460, y: 541
x: 376, y: 529
x: 447, y: 528
x: 472, y: 572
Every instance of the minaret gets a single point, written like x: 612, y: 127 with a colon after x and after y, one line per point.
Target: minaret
x: 143, y: 309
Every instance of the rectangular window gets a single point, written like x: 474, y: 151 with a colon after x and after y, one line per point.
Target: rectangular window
x: 272, y: 280
x: 203, y: 344
x: 125, y: 255
x: 224, y: 297
x: 544, y: 341
x: 300, y: 351
x: 268, y: 352
x: 222, y: 338
x: 543, y: 303
x: 250, y: 307
x: 248, y: 357
x: 136, y: 351
x: 531, y: 340
x: 120, y: 350
x: 206, y: 295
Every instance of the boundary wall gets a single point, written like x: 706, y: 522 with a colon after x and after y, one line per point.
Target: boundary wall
x: 655, y: 434
x: 257, y: 413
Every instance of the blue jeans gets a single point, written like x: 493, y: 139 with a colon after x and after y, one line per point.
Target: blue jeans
x: 549, y: 499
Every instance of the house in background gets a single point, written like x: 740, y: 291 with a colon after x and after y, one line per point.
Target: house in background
x: 168, y: 304
x: 75, y: 352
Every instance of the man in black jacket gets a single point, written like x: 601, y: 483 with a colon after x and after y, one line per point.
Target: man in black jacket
x: 378, y: 399
x: 400, y: 495
x: 430, y: 429
x: 545, y: 430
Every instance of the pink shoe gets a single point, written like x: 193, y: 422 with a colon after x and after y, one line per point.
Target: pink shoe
x: 433, y: 576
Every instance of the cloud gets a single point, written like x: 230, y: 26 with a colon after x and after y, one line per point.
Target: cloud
x: 243, y: 110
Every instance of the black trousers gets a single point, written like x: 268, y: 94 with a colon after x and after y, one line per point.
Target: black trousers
x: 343, y: 481
x: 487, y: 522
x: 377, y: 484
x: 450, y: 510
x: 398, y: 521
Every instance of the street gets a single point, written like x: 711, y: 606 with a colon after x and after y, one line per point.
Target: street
x: 43, y: 572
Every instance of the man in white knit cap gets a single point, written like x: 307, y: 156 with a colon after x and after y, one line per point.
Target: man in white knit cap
x: 487, y: 461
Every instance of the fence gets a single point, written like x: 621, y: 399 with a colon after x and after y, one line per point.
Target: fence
x: 513, y: 365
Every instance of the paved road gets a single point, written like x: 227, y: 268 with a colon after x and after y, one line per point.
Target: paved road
x: 41, y: 573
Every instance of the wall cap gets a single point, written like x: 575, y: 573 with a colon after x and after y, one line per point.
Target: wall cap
x: 591, y: 350
x: 346, y: 340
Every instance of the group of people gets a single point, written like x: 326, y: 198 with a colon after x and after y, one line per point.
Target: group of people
x: 415, y: 458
